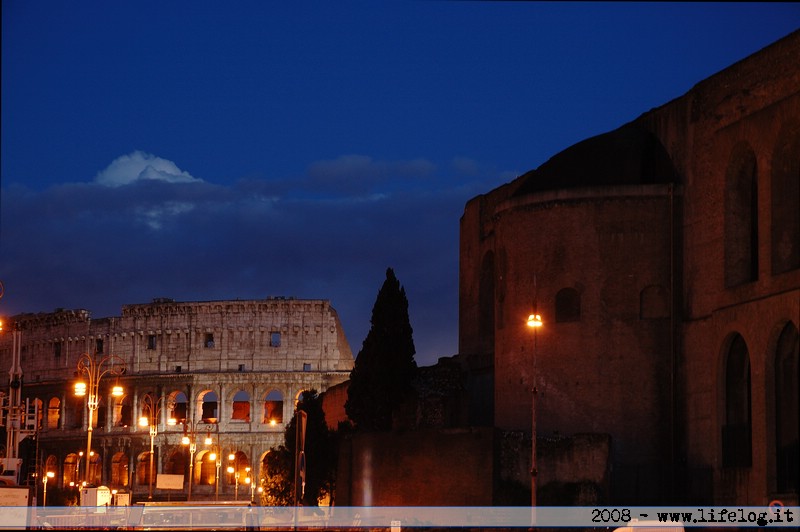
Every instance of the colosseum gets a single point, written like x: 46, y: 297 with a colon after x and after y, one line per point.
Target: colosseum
x: 215, y: 377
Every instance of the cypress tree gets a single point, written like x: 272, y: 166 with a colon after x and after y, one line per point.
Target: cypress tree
x: 385, y: 367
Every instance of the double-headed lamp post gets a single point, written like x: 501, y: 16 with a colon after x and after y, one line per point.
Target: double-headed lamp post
x: 152, y: 407
x: 94, y: 370
x: 233, y: 471
x: 190, y: 440
x: 534, y: 322
x: 48, y: 475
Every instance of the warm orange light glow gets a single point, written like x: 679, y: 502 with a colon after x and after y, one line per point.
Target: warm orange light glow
x: 143, y: 421
x: 185, y: 440
x: 212, y: 456
x: 535, y: 320
x: 80, y: 388
x: 117, y: 391
x: 273, y: 422
x: 172, y: 422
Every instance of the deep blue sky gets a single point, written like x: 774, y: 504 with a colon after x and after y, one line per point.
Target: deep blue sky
x: 219, y: 150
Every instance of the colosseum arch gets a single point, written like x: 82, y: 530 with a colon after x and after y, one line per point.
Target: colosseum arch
x: 119, y: 470
x: 240, y: 407
x: 180, y: 406
x: 54, y: 413
x: 207, y: 406
x: 273, y: 407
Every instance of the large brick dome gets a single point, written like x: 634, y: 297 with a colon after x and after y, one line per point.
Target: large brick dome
x: 629, y: 155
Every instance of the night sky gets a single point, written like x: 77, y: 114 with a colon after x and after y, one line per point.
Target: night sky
x: 220, y: 150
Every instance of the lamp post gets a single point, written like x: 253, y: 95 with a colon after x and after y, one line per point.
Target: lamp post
x: 534, y: 322
x: 48, y: 475
x: 249, y: 480
x: 216, y: 456
x: 152, y: 406
x: 189, y: 439
x: 95, y: 370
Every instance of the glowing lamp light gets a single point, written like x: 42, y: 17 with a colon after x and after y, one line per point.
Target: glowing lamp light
x: 230, y: 469
x: 212, y: 457
x: 535, y: 320
x: 143, y: 421
x: 80, y: 388
x: 172, y: 422
x: 273, y: 422
x: 117, y: 391
x: 208, y: 440
x: 185, y: 440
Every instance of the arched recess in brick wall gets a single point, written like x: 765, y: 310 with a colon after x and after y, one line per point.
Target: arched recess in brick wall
x: 737, y: 421
x: 787, y: 410
x: 486, y: 304
x: 785, y: 204
x: 741, y: 217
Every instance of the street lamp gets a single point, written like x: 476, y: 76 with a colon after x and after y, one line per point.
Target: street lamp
x: 153, y: 408
x: 249, y: 480
x: 47, y: 476
x: 95, y: 370
x: 190, y: 440
x: 216, y: 456
x: 534, y: 322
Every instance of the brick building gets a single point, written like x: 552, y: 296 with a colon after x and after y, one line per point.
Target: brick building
x: 228, y: 370
x: 664, y: 258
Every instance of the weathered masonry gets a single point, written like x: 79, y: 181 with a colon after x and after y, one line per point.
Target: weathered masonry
x: 227, y: 371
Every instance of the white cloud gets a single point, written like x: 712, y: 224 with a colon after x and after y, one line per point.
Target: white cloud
x: 140, y: 166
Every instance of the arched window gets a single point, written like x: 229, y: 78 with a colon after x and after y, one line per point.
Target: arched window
x: 737, y: 431
x: 205, y: 469
x: 273, y: 408
x: 741, y: 218
x: 51, y: 464
x: 787, y: 410
x: 568, y: 305
x: 209, y: 407
x: 122, y: 415
x: 785, y: 206
x: 241, y: 406
x: 179, y: 408
x: 54, y: 413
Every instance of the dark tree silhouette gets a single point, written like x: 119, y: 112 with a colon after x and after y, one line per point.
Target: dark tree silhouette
x: 321, y: 455
x: 385, y: 367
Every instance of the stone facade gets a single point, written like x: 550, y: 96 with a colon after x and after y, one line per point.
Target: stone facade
x: 664, y: 258
x: 228, y: 370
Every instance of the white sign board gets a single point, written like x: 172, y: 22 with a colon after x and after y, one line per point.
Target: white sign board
x: 169, y: 482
